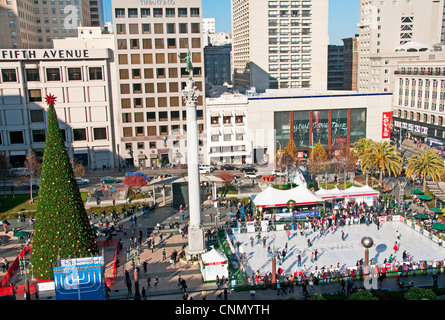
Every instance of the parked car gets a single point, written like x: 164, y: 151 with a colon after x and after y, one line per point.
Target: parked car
x: 109, y: 180
x: 228, y: 167
x: 205, y: 169
x: 82, y: 181
x: 248, y: 169
x: 277, y: 172
x: 252, y: 175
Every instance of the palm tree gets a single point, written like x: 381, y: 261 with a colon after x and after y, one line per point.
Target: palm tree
x: 426, y: 163
x: 382, y: 156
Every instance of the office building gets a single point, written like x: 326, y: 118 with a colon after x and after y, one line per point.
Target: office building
x: 152, y: 41
x: 335, y: 67
x: 280, y: 44
x: 81, y: 81
x: 334, y: 119
x: 419, y: 101
x: 218, y: 66
x: 384, y: 27
x: 350, y: 69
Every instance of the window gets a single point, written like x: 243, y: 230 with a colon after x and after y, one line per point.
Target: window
x: 151, y: 116
x: 132, y: 13
x: 95, y: 73
x: 157, y: 13
x: 53, y: 74
x: 170, y: 12
x: 16, y: 137
x: 38, y: 135
x: 74, y: 74
x: 34, y: 95
x: 80, y: 134
x: 133, y: 28
x: 159, y: 28
x: 183, y: 28
x: 151, y: 131
x: 36, y: 116
x: 138, y: 117
x: 119, y: 13
x: 195, y: 28
x: 120, y: 29
x: 32, y: 75
x: 122, y: 44
x: 9, y: 75
x: 171, y: 28
x: 128, y: 132
x: 126, y: 117
x: 182, y: 12
x: 146, y: 28
x: 145, y: 12
x: 100, y: 133
x: 194, y: 12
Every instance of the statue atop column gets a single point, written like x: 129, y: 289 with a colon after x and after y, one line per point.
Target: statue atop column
x: 188, y: 59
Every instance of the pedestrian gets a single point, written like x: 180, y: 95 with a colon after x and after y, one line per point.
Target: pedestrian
x: 299, y: 260
x: 157, y: 280
x: 342, y: 235
x: 145, y: 264
x: 204, y: 294
x: 164, y: 255
x: 144, y: 293
x: 398, y: 235
x: 148, y: 283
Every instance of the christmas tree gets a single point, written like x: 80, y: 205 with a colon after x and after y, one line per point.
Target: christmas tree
x: 62, y: 229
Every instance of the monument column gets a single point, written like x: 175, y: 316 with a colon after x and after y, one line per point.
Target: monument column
x: 196, y: 243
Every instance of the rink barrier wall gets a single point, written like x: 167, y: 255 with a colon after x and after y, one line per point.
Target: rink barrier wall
x: 352, y: 272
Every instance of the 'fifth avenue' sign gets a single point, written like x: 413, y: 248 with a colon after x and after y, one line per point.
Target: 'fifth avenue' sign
x: 53, y: 54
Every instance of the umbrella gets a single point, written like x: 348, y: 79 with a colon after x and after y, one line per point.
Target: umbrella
x: 417, y: 191
x: 438, y: 226
x: 436, y: 210
x: 21, y: 234
x: 425, y: 198
x: 420, y: 216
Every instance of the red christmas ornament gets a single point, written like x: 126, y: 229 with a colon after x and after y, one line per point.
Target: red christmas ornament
x: 50, y: 99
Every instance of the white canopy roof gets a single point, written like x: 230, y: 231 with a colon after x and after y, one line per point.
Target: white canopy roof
x: 213, y: 257
x: 330, y: 194
x: 272, y: 197
x: 350, y: 192
x: 413, y: 47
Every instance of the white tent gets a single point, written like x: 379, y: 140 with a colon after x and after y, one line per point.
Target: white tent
x: 214, y: 263
x: 330, y: 194
x: 272, y: 197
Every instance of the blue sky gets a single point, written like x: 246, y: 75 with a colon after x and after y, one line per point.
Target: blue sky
x: 343, y: 17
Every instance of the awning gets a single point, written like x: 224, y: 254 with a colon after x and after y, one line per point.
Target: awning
x: 227, y: 113
x: 239, y: 112
x: 153, y: 155
x: 214, y: 113
x: 141, y: 156
x: 272, y: 197
x: 227, y: 131
x: 216, y: 132
x: 239, y: 130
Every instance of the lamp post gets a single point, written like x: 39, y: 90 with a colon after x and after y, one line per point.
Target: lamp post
x: 367, y: 242
x: 402, y: 184
x: 135, y: 262
x: 24, y: 269
x: 274, y: 263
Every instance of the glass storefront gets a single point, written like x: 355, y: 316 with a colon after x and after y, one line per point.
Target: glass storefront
x: 327, y: 127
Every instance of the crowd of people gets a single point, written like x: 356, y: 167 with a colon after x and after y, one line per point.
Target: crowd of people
x: 340, y: 214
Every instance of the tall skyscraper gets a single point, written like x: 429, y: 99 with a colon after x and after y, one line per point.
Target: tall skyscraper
x: 280, y: 44
x: 385, y: 28
x: 35, y: 23
x: 152, y: 41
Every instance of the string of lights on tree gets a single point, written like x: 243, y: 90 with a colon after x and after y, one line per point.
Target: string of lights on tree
x: 62, y: 229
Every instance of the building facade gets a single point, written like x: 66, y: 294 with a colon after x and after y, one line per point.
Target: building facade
x: 419, y: 101
x: 336, y: 63
x: 386, y: 25
x: 218, y: 65
x: 227, y: 125
x: 35, y: 23
x: 152, y: 42
x: 334, y: 119
x: 80, y: 80
x: 350, y: 63
x: 280, y: 44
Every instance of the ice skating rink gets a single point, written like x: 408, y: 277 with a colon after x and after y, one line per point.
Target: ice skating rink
x: 332, y: 249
